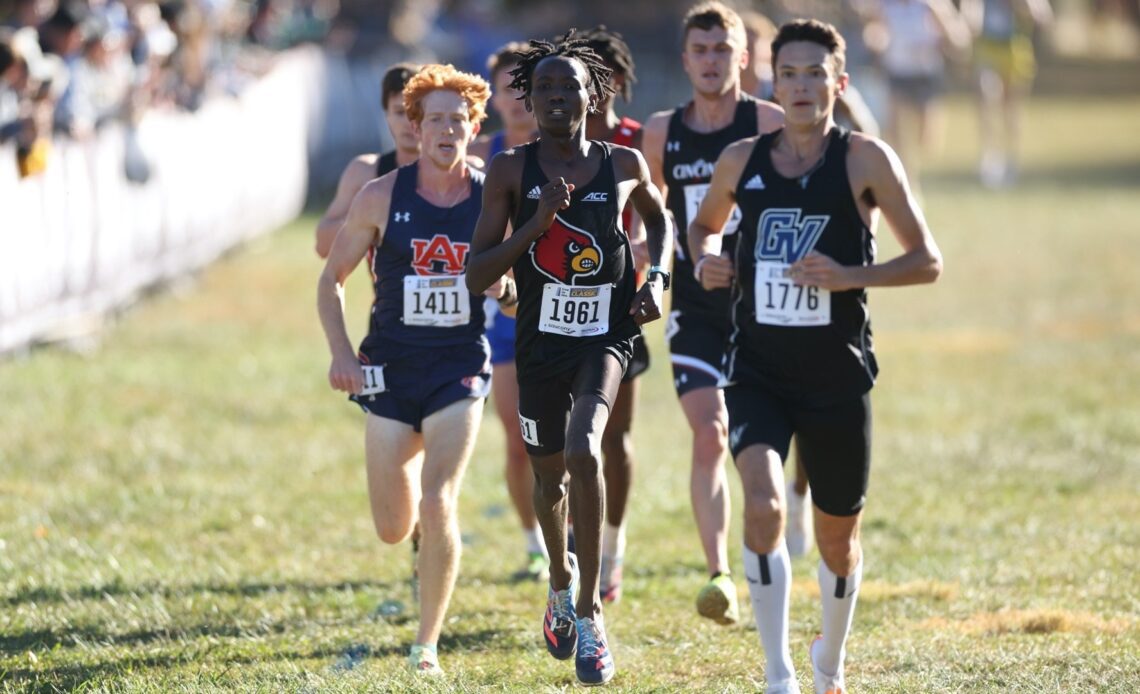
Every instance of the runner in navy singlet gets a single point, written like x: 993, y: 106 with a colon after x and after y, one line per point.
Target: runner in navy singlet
x: 579, y: 311
x: 424, y: 368
x: 366, y: 167
x: 681, y: 146
x: 800, y: 359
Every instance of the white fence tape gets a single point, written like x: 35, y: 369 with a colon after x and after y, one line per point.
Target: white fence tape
x: 80, y: 238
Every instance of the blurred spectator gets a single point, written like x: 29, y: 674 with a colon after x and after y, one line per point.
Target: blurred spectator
x: 30, y: 82
x: 1003, y: 56
x: 914, y: 37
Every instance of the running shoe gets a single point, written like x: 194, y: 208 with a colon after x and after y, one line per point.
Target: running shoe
x: 595, y: 663
x: 558, y: 628
x: 825, y: 683
x: 609, y: 582
x: 717, y: 600
x: 798, y: 533
x: 536, y: 568
x: 424, y: 661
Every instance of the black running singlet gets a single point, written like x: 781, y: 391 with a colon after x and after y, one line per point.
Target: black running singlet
x: 421, y: 295
x: 804, y: 343
x: 688, y: 163
x: 386, y: 163
x: 576, y: 282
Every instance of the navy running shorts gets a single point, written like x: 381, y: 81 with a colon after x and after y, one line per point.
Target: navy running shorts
x: 420, y: 381
x: 696, y: 348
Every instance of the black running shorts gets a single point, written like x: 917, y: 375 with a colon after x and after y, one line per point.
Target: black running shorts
x: 696, y: 347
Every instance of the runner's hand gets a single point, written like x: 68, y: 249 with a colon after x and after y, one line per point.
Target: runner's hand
x: 716, y: 272
x: 345, y: 374
x: 647, y: 302
x: 817, y: 270
x: 555, y: 196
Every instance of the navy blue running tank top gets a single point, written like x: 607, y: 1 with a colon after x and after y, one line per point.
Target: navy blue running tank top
x: 421, y: 296
x: 576, y: 282
x: 688, y: 163
x: 804, y: 343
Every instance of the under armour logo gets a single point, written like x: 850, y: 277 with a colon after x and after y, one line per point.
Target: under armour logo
x: 402, y: 216
x: 596, y: 197
x: 534, y: 193
x: 754, y: 183
x: 673, y: 146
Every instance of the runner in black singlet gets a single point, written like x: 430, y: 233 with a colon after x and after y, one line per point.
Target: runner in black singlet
x: 800, y: 359
x: 579, y: 311
x: 681, y: 146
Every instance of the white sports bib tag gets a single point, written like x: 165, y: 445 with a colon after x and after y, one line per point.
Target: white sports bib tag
x: 438, y: 302
x: 694, y: 194
x: 779, y: 301
x: 373, y: 380
x: 575, y: 311
x: 529, y: 429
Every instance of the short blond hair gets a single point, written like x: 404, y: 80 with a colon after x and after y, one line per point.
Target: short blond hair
x: 472, y: 88
x: 713, y: 13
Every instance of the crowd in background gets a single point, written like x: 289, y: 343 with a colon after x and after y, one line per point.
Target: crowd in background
x: 69, y: 66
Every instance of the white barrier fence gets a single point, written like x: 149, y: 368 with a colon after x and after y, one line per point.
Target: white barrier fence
x: 80, y: 239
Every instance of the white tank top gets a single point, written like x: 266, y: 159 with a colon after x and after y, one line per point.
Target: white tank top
x: 915, y: 45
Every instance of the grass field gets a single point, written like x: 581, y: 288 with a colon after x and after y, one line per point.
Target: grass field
x: 183, y: 508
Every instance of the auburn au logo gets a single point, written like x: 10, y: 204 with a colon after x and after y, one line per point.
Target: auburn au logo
x: 565, y: 252
x: 439, y: 256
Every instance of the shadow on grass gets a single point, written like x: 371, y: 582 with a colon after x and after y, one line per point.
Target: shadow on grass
x: 47, y: 594
x: 67, y: 677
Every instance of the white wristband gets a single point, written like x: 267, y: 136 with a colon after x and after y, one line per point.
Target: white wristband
x: 697, y: 267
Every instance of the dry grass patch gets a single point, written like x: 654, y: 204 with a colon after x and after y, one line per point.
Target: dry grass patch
x: 880, y: 591
x: 1039, y: 621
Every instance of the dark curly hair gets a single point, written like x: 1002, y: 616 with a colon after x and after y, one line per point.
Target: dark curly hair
x: 614, y: 51
x: 568, y: 46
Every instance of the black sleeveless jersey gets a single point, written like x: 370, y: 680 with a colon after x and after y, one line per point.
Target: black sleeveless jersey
x: 688, y: 164
x: 417, y: 270
x: 570, y: 273
x: 803, y: 343
x: 386, y: 163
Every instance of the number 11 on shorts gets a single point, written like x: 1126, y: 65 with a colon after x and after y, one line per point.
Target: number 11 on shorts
x: 529, y: 430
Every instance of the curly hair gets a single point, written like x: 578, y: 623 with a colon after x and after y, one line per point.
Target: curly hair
x: 614, y: 51
x: 473, y: 88
x: 567, y: 46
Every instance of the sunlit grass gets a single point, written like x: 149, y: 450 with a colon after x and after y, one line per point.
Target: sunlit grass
x: 183, y: 509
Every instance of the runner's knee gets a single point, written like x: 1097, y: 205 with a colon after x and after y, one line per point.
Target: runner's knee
x: 710, y: 441
x: 582, y: 460
x: 841, y: 554
x: 763, y: 521
x: 436, y: 510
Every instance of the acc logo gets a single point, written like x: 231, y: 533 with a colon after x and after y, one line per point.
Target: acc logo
x: 786, y: 235
x: 596, y: 197
x: 439, y: 256
x: 565, y: 253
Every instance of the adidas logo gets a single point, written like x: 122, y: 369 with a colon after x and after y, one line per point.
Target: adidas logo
x: 535, y: 193
x: 596, y: 197
x: 754, y: 183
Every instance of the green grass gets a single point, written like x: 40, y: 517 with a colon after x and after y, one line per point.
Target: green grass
x: 184, y: 509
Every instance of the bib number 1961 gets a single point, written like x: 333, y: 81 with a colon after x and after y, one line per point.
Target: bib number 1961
x: 575, y: 311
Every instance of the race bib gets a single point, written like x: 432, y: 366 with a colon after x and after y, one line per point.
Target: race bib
x: 438, y: 302
x: 373, y: 380
x: 780, y: 301
x: 575, y: 311
x: 694, y: 194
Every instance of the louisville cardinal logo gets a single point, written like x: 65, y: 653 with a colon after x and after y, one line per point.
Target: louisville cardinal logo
x: 565, y: 252
x: 438, y: 256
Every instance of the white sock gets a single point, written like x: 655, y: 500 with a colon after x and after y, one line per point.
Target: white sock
x: 770, y: 585
x: 613, y: 540
x: 534, y: 542
x: 837, y: 614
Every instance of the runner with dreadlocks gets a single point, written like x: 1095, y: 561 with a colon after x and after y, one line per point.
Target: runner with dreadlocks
x: 578, y: 314
x: 617, y: 441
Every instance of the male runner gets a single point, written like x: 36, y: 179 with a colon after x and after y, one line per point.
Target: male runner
x: 424, y: 368
x: 518, y: 128
x: 680, y: 147
x: 578, y: 313
x: 800, y: 359
x: 366, y: 167
x: 617, y: 439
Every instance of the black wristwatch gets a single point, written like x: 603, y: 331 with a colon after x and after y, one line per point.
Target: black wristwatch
x: 658, y: 270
